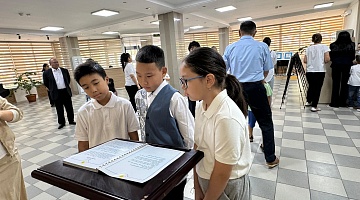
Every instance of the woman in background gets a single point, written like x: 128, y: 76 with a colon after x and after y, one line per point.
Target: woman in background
x: 131, y: 83
x: 12, y: 185
x: 342, y: 55
x: 316, y: 57
x: 46, y: 67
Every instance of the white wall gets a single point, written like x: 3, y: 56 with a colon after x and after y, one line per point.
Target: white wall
x: 352, y: 21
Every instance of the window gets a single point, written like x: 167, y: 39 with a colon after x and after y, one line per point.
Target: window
x: 106, y: 52
x: 292, y: 36
x: 207, y: 39
x: 20, y: 57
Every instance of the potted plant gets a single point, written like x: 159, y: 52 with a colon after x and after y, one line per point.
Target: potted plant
x: 25, y: 82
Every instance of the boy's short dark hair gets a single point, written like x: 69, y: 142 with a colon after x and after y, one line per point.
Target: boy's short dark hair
x: 267, y: 41
x: 357, y: 58
x: 88, y: 68
x: 193, y: 44
x: 151, y: 54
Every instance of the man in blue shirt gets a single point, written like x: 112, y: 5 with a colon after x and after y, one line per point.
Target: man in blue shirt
x: 250, y: 61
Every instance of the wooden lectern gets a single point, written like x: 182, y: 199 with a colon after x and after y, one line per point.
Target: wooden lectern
x: 93, y: 185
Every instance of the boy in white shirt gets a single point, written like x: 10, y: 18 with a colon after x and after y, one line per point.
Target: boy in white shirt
x: 105, y: 116
x: 354, y: 84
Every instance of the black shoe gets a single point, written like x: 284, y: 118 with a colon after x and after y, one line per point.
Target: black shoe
x: 61, y: 126
x: 72, y: 123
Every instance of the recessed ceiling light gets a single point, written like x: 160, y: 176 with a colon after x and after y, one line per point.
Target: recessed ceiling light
x: 110, y: 33
x: 324, y: 5
x: 176, y: 19
x: 226, y: 8
x: 105, y: 13
x: 157, y: 22
x: 196, y: 27
x: 244, y: 19
x: 143, y: 40
x: 51, y: 28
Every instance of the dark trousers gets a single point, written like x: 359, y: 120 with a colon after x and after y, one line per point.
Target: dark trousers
x: 131, y: 90
x: 315, y: 80
x: 64, y: 100
x: 51, y: 101
x: 340, y: 91
x: 255, y: 95
x: 177, y: 193
x: 192, y: 105
x: 354, y: 91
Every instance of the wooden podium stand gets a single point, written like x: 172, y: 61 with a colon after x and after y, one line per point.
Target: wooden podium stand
x: 93, y: 185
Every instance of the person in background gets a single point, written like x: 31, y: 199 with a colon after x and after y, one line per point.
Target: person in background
x: 192, y: 104
x: 316, y: 57
x: 168, y: 120
x: 131, y: 83
x: 250, y: 61
x: 354, y: 85
x: 251, y: 116
x: 57, y: 80
x: 270, y: 77
x: 342, y: 55
x: 12, y: 186
x: 214, y: 47
x: 105, y: 116
x: 112, y: 86
x: 46, y: 67
x: 220, y: 127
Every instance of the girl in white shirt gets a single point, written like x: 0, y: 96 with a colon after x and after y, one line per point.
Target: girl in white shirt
x: 316, y: 57
x: 220, y: 127
x: 131, y: 83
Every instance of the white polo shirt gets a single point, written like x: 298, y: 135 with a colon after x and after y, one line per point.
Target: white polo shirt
x: 221, y: 133
x: 354, y: 78
x: 98, y: 124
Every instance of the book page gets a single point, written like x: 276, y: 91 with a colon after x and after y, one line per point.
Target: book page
x: 143, y: 164
x: 99, y: 155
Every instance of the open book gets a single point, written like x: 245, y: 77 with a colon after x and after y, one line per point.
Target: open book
x: 133, y: 161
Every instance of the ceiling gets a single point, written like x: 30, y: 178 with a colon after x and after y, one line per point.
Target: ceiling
x: 26, y: 17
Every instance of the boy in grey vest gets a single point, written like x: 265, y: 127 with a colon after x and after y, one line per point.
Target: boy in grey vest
x: 168, y: 120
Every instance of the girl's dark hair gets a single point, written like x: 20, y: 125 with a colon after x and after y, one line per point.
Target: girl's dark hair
x: 204, y: 61
x: 343, y: 38
x: 44, y: 65
x: 88, y: 68
x: 124, y: 59
x: 316, y: 38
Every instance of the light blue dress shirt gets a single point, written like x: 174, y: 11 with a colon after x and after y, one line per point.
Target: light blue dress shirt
x: 247, y: 59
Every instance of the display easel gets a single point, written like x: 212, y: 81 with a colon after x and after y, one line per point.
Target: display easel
x: 295, y: 63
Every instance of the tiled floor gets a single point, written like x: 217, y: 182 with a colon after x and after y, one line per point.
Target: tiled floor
x: 319, y: 152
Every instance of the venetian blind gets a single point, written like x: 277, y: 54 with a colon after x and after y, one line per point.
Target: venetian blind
x: 106, y: 52
x: 20, y: 57
x: 206, y: 39
x: 292, y: 36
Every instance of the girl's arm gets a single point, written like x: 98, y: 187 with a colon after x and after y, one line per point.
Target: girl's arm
x: 218, y: 180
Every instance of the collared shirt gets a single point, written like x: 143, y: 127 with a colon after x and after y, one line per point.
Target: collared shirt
x: 179, y: 110
x: 59, y: 78
x: 221, y: 133
x: 354, y: 79
x: 98, y: 124
x: 247, y: 59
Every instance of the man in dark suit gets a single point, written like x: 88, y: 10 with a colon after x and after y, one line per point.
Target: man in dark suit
x: 57, y: 80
